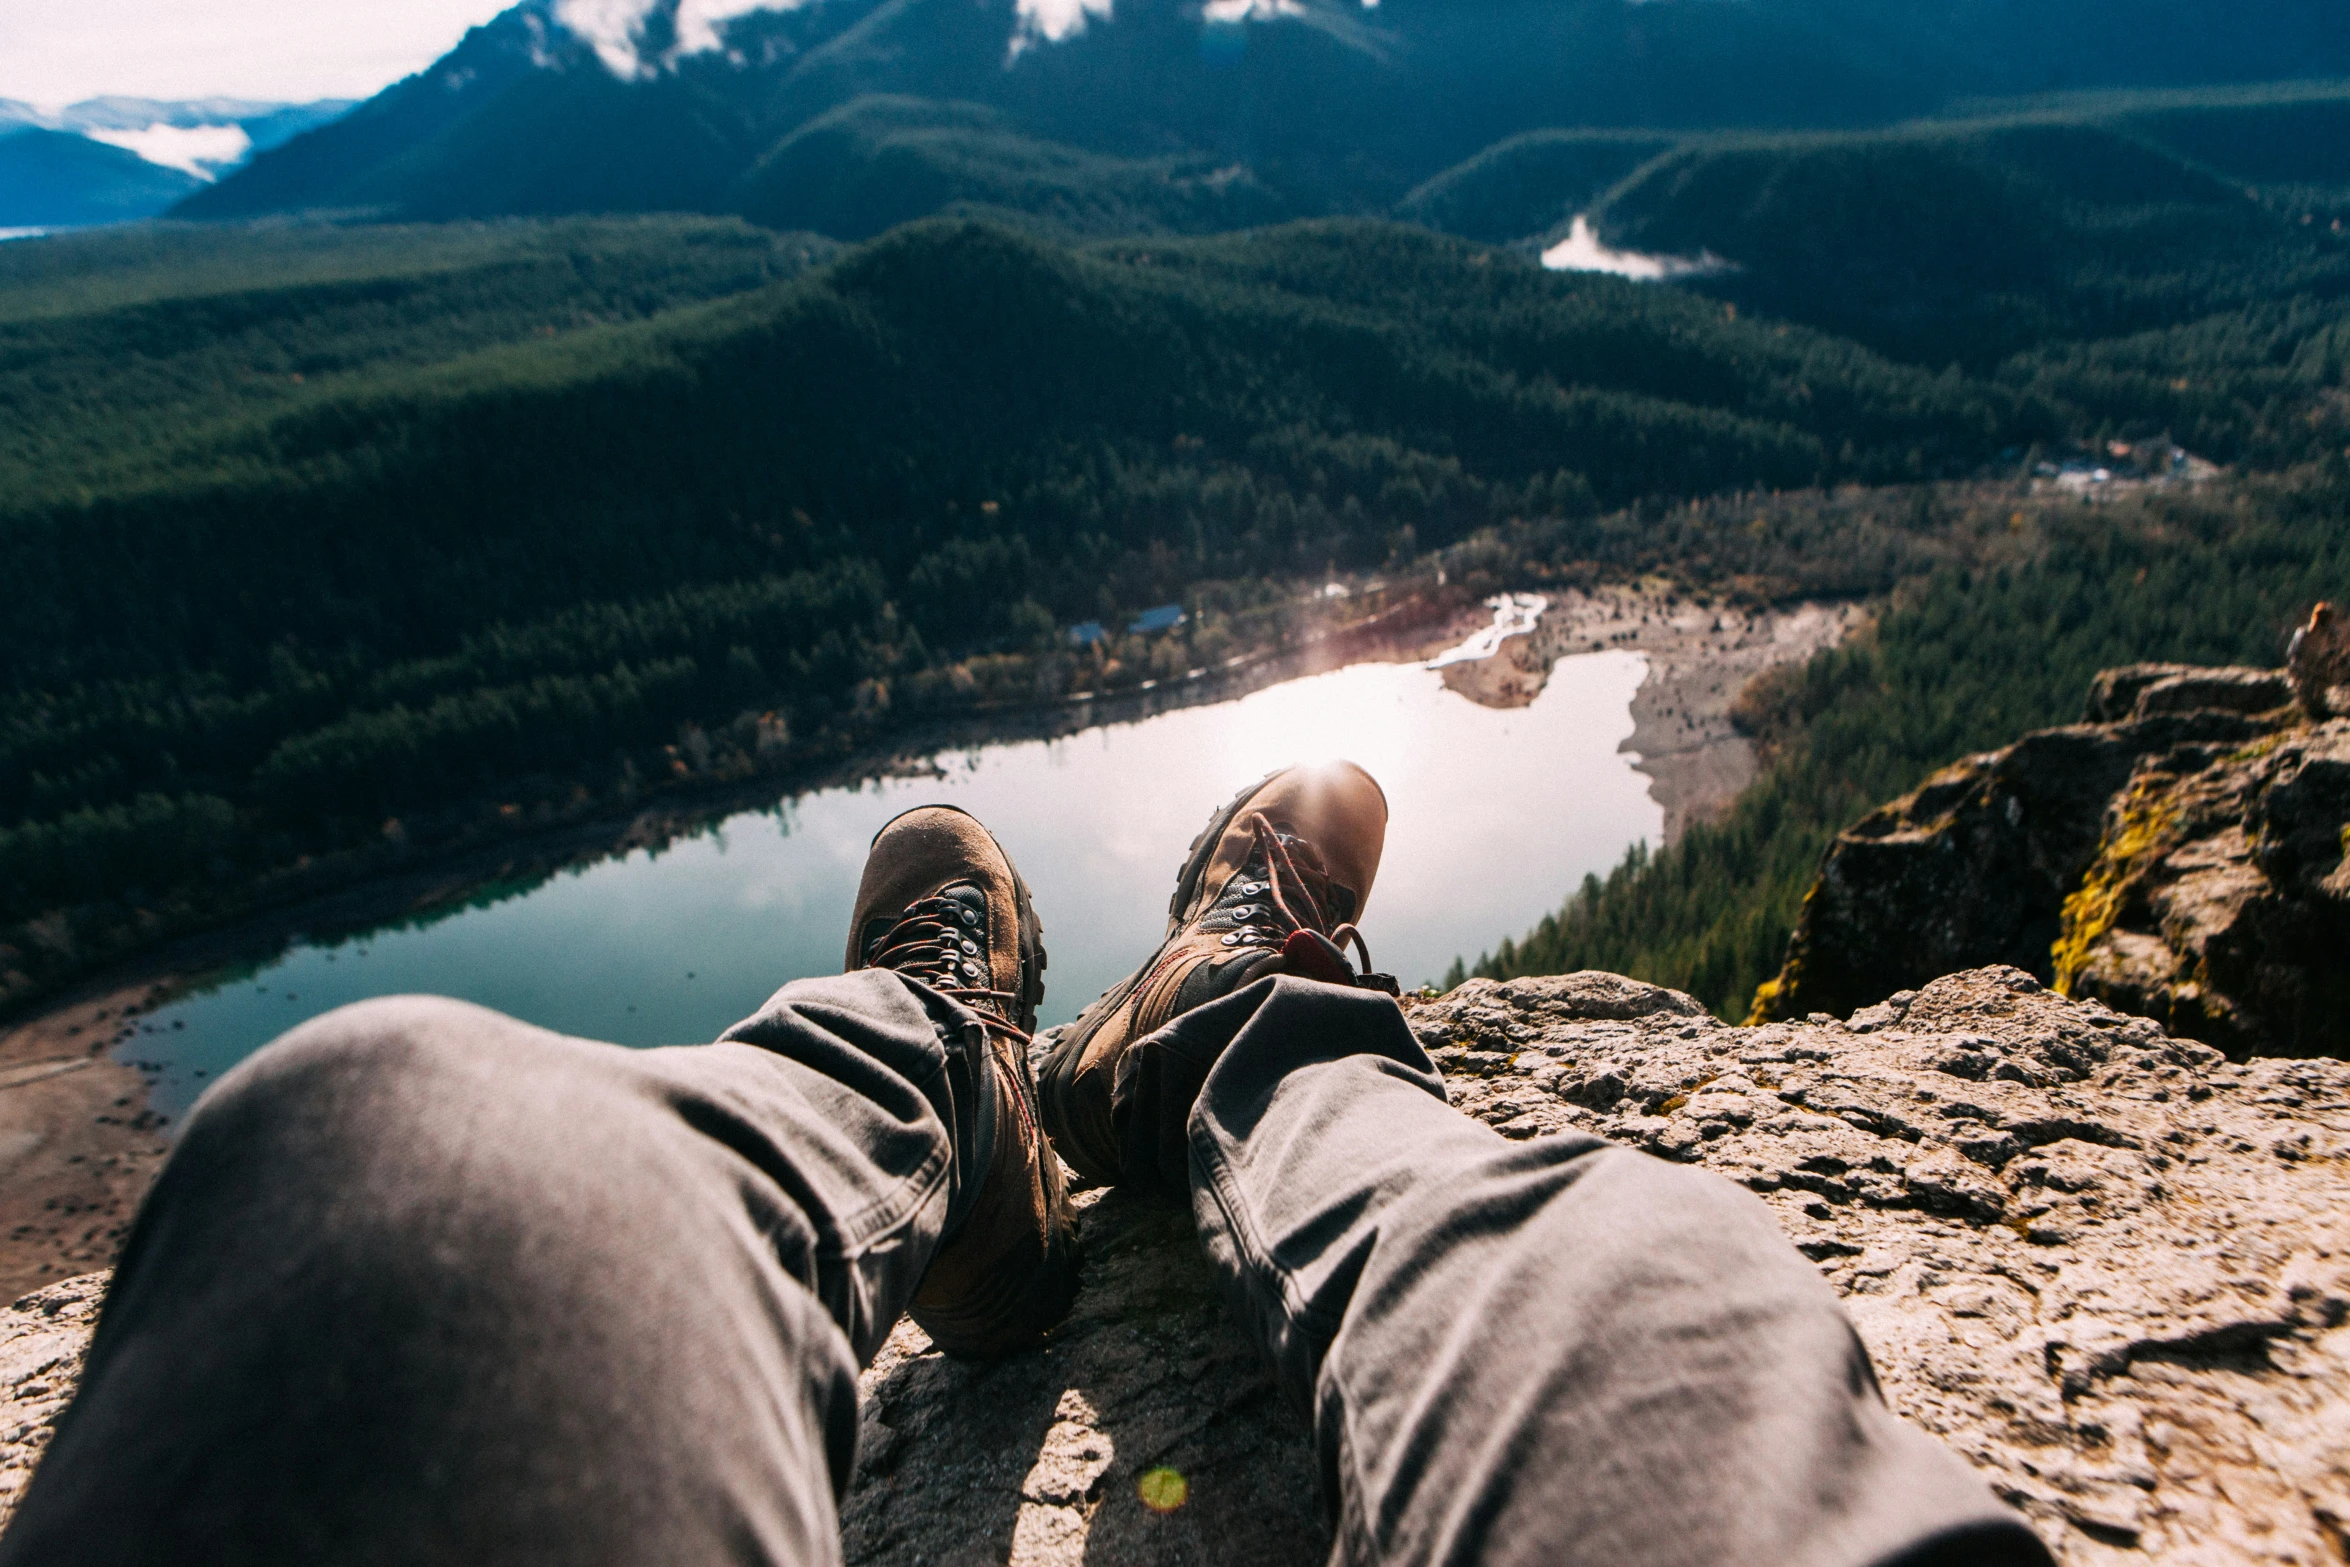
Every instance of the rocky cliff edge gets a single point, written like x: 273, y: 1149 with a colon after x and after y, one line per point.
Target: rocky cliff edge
x: 2183, y: 854
x: 2107, y: 1265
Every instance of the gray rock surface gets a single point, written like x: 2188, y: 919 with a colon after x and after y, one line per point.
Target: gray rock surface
x: 42, y: 1338
x: 1039, y: 1459
x: 2219, y: 900
x: 1974, y: 865
x: 2222, y: 690
x: 2181, y: 856
x: 2108, y: 1266
x: 2143, y: 690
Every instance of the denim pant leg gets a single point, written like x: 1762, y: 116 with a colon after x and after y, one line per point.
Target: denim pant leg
x: 1553, y: 1351
x: 422, y: 1283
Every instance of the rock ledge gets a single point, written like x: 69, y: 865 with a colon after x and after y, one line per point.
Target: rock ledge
x: 2108, y: 1266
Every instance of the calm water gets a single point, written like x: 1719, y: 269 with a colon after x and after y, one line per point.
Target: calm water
x: 1496, y: 815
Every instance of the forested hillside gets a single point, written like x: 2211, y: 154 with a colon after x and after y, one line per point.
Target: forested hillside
x: 2111, y: 255
x: 1965, y: 660
x: 122, y: 351
x: 880, y: 161
x: 1969, y: 245
x: 1530, y: 184
x: 317, y: 537
x: 308, y: 534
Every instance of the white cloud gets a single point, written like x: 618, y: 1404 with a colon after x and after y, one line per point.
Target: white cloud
x: 610, y: 26
x: 697, y: 21
x: 615, y: 29
x: 205, y: 151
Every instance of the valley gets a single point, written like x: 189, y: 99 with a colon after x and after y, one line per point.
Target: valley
x: 590, y: 927
x: 1726, y: 469
x: 445, y: 594
x: 551, y: 498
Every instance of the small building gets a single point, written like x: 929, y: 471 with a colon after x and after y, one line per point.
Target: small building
x: 1153, y: 621
x: 1086, y: 633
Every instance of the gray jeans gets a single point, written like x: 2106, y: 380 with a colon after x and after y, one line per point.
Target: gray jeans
x: 422, y: 1283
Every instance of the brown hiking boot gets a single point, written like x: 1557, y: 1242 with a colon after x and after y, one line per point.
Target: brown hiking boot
x: 1273, y: 886
x: 941, y: 903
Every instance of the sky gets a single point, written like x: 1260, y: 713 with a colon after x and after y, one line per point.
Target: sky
x: 54, y: 52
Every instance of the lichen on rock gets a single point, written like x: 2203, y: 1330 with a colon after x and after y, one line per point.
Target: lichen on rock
x: 2181, y: 856
x: 2214, y: 904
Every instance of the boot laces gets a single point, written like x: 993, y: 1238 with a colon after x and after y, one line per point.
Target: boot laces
x: 942, y: 941
x: 1276, y: 895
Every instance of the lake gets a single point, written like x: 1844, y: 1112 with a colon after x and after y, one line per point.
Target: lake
x: 1496, y: 815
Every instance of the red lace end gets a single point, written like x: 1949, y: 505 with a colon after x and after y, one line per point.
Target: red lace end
x: 1311, y: 955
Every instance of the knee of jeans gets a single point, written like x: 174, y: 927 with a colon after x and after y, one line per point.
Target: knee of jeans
x: 1660, y: 1203
x: 396, y: 1049
x: 1691, y: 1195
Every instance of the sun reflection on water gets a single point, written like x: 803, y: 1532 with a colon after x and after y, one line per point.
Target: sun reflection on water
x: 1495, y: 816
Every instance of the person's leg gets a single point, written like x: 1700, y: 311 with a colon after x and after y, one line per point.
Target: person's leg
x: 1550, y: 1351
x: 422, y: 1283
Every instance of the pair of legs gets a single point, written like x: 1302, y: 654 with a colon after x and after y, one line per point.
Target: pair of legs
x: 422, y: 1283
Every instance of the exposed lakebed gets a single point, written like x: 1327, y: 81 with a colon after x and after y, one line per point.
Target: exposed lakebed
x: 1497, y: 812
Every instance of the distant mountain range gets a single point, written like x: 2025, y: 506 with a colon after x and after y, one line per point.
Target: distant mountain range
x: 1106, y: 116
x: 107, y: 160
x: 311, y: 526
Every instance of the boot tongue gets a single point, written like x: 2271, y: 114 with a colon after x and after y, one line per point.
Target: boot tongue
x: 1306, y: 955
x: 1308, y: 864
x: 958, y: 920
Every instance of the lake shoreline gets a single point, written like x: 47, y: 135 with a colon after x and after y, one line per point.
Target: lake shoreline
x: 1700, y: 658
x: 78, y: 1146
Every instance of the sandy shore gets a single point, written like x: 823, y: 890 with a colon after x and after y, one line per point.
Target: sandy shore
x: 77, y: 1144
x: 1699, y: 659
x: 78, y: 1147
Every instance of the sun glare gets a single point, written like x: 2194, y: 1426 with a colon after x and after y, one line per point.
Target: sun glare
x: 1362, y: 718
